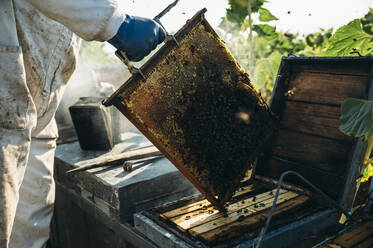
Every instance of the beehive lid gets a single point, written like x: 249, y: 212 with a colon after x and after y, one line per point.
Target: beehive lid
x: 306, y: 99
x: 200, y: 109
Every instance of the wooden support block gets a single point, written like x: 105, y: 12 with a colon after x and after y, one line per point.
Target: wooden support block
x: 251, y: 223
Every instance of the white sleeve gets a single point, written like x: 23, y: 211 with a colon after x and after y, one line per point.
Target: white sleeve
x: 90, y: 19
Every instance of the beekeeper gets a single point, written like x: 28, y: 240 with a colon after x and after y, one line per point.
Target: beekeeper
x: 38, y: 49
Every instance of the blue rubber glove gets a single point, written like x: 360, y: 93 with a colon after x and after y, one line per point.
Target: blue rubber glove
x: 137, y: 37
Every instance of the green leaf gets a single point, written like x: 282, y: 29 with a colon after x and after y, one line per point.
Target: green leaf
x: 367, y: 173
x: 266, y: 70
x: 266, y: 16
x: 265, y: 30
x: 356, y: 117
x: 367, y: 22
x: 350, y: 37
x: 239, y: 9
x: 245, y: 25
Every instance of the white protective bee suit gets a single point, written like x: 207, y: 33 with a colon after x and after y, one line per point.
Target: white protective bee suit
x: 37, y: 57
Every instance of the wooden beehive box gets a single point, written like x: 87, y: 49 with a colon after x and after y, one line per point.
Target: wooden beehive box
x: 306, y: 102
x: 306, y: 99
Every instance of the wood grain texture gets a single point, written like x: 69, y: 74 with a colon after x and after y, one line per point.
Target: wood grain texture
x: 368, y: 243
x: 210, y: 218
x: 252, y: 223
x: 330, y: 183
x: 359, y: 236
x: 315, y: 119
x: 245, y: 214
x: 325, y: 88
x: 337, y: 67
x: 240, y: 211
x: 316, y: 152
x: 204, y: 204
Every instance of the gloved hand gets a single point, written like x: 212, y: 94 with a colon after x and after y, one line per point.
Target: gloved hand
x: 137, y: 37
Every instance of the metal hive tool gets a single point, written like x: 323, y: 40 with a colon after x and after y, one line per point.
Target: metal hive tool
x: 199, y: 108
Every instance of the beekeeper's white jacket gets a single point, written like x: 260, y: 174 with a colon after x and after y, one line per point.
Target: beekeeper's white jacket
x: 37, y: 57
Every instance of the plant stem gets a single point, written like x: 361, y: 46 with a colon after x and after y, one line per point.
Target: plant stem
x: 369, y: 150
x: 251, y: 40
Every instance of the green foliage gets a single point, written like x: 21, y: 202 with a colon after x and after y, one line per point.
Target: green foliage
x: 356, y: 117
x: 367, y: 173
x: 239, y: 9
x: 318, y: 39
x: 357, y: 120
x: 349, y: 38
x: 266, y: 70
x: 266, y: 16
x: 265, y: 30
x: 254, y: 53
x: 92, y: 54
x: 367, y: 22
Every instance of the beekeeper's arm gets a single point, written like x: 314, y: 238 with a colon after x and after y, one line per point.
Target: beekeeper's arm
x: 102, y: 20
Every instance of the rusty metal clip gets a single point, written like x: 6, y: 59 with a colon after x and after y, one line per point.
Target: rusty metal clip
x: 133, y: 70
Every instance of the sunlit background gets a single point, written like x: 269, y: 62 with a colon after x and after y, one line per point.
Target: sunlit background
x: 305, y: 16
x: 302, y: 29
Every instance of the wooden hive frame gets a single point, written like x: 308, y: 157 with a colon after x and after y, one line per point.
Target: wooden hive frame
x: 196, y: 104
x: 308, y: 112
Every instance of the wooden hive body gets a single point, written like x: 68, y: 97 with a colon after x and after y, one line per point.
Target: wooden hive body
x: 306, y: 101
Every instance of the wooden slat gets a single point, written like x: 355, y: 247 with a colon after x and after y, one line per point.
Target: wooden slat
x: 326, y: 88
x: 358, y: 68
x: 202, y: 217
x: 368, y: 243
x: 321, y: 153
x: 196, y: 206
x: 329, y: 183
x: 356, y: 235
x: 250, y: 211
x: 251, y: 223
x: 315, y: 119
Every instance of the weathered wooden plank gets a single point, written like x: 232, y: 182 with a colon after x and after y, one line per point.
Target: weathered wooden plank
x: 317, y: 152
x: 358, y: 68
x: 328, y: 182
x: 204, y: 204
x: 368, y: 243
x: 315, y: 119
x: 202, y: 217
x: 251, y: 223
x: 251, y: 211
x: 356, y: 235
x: 325, y: 88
